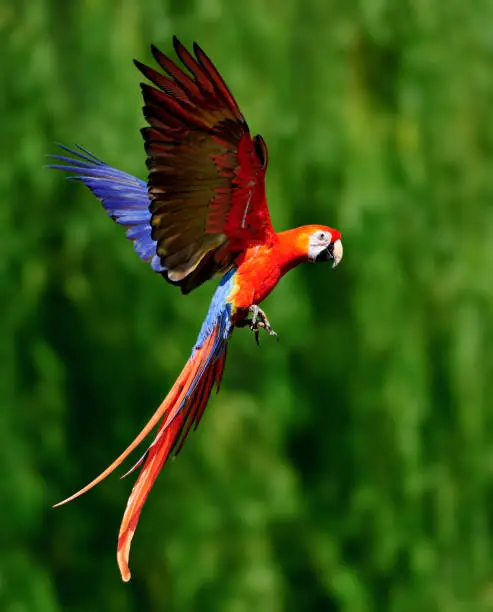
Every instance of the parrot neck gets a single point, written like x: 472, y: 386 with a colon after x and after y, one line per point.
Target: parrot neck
x: 290, y: 250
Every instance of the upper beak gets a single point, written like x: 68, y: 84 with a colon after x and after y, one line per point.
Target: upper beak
x: 337, y: 252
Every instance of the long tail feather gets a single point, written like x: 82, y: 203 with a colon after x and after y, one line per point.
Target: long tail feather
x: 204, y: 369
x: 182, y: 408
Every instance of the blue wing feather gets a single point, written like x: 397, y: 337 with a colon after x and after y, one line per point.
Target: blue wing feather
x: 123, y: 196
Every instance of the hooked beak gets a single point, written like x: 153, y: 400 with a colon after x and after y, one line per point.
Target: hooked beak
x: 332, y: 253
x: 337, y: 252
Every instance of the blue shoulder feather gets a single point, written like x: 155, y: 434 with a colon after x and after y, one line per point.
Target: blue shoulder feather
x: 123, y: 196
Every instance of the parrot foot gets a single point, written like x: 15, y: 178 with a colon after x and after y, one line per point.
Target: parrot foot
x: 260, y: 321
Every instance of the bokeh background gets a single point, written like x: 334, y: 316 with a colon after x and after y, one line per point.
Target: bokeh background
x: 347, y: 468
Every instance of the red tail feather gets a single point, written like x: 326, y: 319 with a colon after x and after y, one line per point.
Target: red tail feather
x: 181, y: 408
x: 180, y: 416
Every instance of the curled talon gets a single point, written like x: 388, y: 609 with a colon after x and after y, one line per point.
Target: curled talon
x: 259, y: 321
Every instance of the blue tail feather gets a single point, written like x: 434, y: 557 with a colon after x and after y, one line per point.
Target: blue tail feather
x: 124, y: 197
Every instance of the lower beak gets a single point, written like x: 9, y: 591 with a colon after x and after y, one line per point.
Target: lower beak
x: 337, y: 252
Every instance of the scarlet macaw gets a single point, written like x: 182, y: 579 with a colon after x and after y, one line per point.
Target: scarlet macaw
x: 202, y: 214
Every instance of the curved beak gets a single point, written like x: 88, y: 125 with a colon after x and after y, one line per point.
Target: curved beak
x: 337, y: 252
x: 331, y: 253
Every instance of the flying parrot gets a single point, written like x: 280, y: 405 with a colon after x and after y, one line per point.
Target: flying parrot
x: 201, y: 214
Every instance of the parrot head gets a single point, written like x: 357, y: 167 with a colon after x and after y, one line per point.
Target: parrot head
x: 310, y: 243
x: 324, y: 244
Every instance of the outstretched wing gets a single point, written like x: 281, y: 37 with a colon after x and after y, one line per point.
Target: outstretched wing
x: 123, y: 196
x: 206, y: 173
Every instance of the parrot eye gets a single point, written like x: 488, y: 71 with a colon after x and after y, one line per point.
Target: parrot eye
x: 321, y: 237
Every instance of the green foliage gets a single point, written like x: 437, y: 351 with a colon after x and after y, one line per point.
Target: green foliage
x: 347, y: 468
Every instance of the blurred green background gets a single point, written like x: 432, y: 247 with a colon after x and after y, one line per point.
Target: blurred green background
x: 347, y: 468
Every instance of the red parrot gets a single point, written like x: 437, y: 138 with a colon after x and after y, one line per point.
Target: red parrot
x: 202, y: 214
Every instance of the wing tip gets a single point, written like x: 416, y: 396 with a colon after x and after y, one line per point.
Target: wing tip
x: 160, y: 57
x: 82, y: 155
x: 177, y: 44
x: 138, y: 64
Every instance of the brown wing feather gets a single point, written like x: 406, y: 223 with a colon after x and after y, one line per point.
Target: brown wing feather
x: 206, y: 174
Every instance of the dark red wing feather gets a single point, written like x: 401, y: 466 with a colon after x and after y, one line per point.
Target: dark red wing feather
x: 206, y: 173
x: 217, y: 81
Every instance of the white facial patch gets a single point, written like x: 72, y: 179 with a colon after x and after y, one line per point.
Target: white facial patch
x: 318, y: 242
